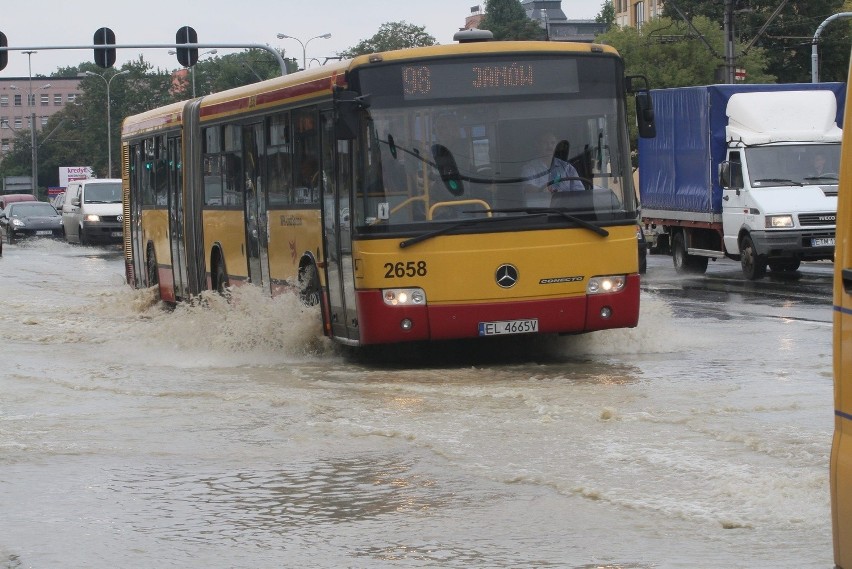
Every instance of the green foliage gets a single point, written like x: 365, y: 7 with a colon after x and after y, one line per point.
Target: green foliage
x: 235, y: 70
x: 391, y: 36
x: 787, y: 39
x: 669, y: 54
x: 507, y: 20
x: 607, y: 14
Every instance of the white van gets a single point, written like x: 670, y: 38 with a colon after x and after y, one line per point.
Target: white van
x: 92, y: 212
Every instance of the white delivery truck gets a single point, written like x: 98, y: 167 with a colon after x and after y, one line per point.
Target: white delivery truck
x: 747, y: 172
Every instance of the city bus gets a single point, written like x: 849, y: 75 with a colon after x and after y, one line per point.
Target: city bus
x: 840, y: 474
x: 390, y: 190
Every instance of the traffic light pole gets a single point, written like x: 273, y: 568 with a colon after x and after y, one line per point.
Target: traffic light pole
x: 174, y: 46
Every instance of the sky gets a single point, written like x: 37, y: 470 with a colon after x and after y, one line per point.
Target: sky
x: 54, y: 23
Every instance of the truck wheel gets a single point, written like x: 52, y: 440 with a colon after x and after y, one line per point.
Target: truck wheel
x: 754, y: 265
x: 684, y: 263
x: 84, y: 240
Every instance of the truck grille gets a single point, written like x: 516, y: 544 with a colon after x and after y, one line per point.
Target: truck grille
x: 811, y: 219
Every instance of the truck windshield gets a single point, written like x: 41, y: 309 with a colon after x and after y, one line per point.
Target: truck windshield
x: 102, y: 193
x: 793, y: 165
x: 437, y: 149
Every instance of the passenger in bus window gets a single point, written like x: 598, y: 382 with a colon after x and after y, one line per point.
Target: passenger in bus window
x: 549, y: 171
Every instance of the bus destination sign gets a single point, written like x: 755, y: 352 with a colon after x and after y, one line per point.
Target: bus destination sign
x: 447, y: 80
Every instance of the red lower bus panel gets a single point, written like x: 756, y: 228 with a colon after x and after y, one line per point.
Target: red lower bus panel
x: 380, y: 323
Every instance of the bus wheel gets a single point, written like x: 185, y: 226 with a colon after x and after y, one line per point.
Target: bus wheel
x: 153, y: 275
x: 309, y: 286
x: 220, y: 280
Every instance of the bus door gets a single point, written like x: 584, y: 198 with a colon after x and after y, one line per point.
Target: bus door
x: 255, y: 206
x: 176, y: 229
x: 336, y: 186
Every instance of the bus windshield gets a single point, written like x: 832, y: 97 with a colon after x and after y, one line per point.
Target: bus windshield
x: 467, y: 139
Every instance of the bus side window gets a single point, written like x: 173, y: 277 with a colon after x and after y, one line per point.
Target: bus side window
x: 279, y: 162
x: 147, y: 177
x: 306, y: 156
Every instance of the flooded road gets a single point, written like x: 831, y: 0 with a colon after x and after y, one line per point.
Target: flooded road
x: 236, y: 436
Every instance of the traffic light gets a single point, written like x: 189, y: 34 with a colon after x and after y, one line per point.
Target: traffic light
x: 4, y: 55
x: 104, y: 56
x: 446, y: 165
x: 187, y: 56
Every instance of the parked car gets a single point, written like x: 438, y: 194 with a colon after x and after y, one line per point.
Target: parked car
x: 92, y: 211
x: 57, y: 201
x: 30, y: 219
x: 6, y: 199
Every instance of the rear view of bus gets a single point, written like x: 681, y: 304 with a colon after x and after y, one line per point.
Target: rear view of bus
x: 496, y: 195
x: 841, y: 449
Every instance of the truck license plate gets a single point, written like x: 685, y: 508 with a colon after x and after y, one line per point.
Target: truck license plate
x: 508, y: 327
x: 115, y: 234
x: 822, y: 242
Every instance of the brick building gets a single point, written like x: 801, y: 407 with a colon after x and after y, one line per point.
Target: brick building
x: 49, y: 96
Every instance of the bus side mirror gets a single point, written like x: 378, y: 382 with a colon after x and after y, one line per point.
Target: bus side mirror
x: 348, y: 105
x: 645, y: 115
x: 638, y: 85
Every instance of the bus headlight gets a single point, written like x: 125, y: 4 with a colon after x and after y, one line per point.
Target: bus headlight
x: 404, y: 296
x: 611, y: 283
x: 779, y: 221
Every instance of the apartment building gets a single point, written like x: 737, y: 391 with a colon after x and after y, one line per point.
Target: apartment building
x: 634, y: 13
x: 49, y: 96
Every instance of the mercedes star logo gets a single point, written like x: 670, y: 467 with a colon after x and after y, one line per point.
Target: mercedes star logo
x: 507, y: 276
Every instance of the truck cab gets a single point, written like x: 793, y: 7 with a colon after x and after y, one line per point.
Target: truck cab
x: 779, y: 181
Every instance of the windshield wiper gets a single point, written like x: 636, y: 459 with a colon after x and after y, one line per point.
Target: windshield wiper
x: 552, y: 210
x: 778, y: 181
x: 466, y: 222
x: 826, y: 177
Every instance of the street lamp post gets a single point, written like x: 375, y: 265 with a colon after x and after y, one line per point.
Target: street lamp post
x: 108, y: 82
x: 304, y: 45
x: 34, y: 155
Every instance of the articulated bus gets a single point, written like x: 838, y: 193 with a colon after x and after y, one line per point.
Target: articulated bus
x: 390, y: 189
x: 841, y: 447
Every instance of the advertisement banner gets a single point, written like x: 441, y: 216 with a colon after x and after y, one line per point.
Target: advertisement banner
x: 71, y: 173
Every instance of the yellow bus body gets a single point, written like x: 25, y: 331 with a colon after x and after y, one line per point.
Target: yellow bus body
x: 841, y: 448
x: 178, y: 238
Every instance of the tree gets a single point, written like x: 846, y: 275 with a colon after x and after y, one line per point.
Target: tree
x: 237, y: 69
x: 607, y: 14
x: 391, y: 35
x: 669, y: 54
x: 507, y: 20
x: 787, y: 40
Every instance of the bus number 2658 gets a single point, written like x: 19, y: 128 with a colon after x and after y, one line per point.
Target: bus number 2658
x: 405, y: 269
